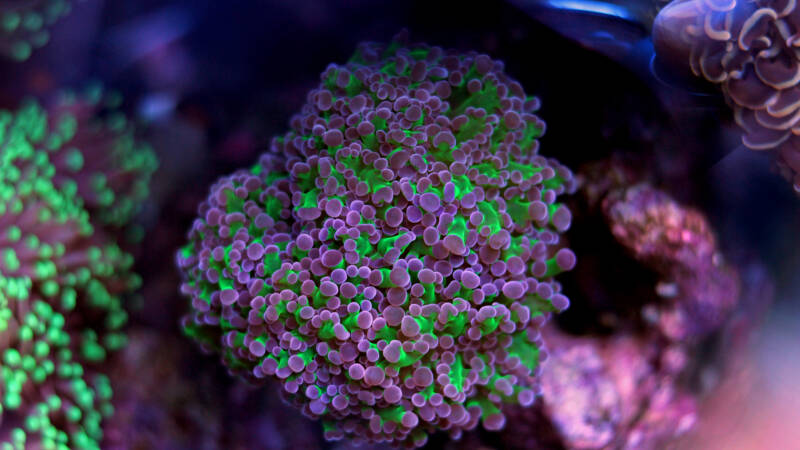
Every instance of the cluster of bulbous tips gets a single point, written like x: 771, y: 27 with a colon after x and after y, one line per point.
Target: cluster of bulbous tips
x: 24, y: 25
x: 64, y: 192
x: 391, y: 258
x: 752, y: 49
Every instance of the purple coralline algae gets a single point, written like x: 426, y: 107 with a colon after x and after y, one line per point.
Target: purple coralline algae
x: 391, y: 258
x: 699, y: 288
x: 63, y: 280
x: 750, y: 48
x: 602, y: 393
x: 695, y: 288
x: 628, y: 386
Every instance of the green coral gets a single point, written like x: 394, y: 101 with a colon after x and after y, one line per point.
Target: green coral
x: 25, y: 25
x: 63, y: 285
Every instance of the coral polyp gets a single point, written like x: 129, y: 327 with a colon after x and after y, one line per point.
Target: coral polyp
x: 24, y: 25
x: 63, y: 284
x: 392, y: 257
x: 109, y: 167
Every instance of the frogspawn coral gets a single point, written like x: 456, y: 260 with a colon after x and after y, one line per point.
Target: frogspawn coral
x: 391, y: 258
x: 24, y: 25
x: 95, y: 147
x: 63, y: 283
x: 750, y: 47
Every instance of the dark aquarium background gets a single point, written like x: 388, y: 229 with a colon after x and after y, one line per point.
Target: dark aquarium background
x: 682, y: 338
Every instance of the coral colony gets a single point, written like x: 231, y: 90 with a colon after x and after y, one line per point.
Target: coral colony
x: 750, y: 48
x: 24, y: 25
x: 63, y: 278
x: 391, y: 258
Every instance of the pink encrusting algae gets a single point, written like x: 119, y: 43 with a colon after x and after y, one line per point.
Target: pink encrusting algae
x: 392, y: 257
x: 623, y: 373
